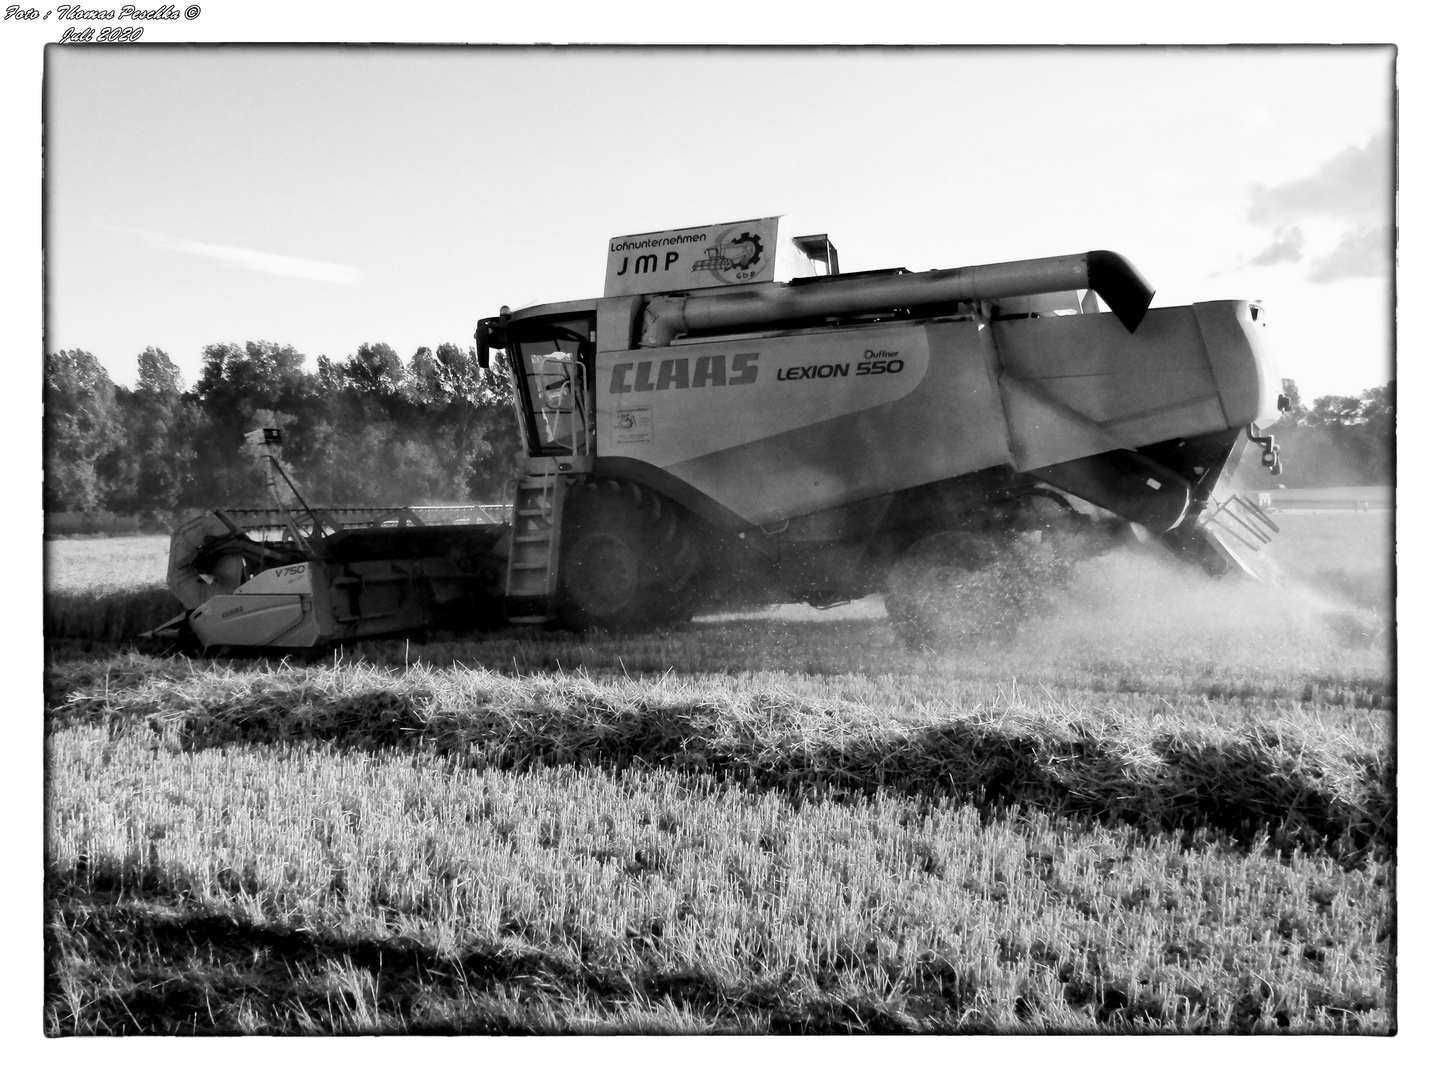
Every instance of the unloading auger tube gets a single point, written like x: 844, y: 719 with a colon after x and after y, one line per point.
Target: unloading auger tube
x: 1109, y: 274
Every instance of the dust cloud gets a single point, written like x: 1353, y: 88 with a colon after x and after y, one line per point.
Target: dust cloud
x: 1140, y: 604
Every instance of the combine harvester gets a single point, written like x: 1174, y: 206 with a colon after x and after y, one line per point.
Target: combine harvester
x: 736, y: 422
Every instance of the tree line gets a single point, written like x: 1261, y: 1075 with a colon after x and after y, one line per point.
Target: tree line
x: 369, y: 430
x: 1336, y: 441
x: 374, y: 430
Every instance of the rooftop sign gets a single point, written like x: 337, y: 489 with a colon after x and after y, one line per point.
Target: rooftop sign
x: 706, y: 256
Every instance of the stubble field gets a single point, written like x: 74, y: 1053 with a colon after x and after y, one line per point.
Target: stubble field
x: 1168, y: 805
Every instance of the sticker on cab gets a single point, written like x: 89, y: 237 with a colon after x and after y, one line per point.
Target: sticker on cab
x: 632, y: 425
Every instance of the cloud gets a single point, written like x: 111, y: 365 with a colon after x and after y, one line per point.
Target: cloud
x: 264, y: 262
x: 1284, y: 248
x: 1355, y: 190
x: 1355, y: 185
x: 1362, y: 253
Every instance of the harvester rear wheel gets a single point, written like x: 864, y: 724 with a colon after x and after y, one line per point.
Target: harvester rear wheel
x: 627, y: 563
x: 960, y: 588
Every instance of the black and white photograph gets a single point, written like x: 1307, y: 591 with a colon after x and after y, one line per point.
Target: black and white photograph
x: 702, y: 533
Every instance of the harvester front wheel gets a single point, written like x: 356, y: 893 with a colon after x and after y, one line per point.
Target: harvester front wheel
x: 627, y: 562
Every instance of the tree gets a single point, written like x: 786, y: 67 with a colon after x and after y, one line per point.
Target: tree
x: 367, y: 430
x: 235, y: 387
x: 236, y: 381
x: 375, y: 371
x: 159, y: 436
x: 82, y: 428
x: 497, y: 436
x: 329, y: 377
x: 1339, y: 441
x: 1361, y: 430
x: 422, y: 383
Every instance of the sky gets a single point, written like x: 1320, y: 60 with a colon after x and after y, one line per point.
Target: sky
x: 328, y: 196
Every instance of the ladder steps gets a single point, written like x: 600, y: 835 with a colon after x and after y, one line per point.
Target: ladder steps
x: 534, y: 556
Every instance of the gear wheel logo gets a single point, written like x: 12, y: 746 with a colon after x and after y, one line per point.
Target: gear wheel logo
x: 752, y: 249
x: 731, y: 259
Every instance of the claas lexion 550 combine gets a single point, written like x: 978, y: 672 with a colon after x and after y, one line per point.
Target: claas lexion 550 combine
x: 737, y: 422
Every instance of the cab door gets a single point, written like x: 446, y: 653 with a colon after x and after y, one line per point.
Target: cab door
x: 552, y: 361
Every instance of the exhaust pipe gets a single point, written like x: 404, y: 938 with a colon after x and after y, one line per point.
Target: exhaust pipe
x: 1112, y: 276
